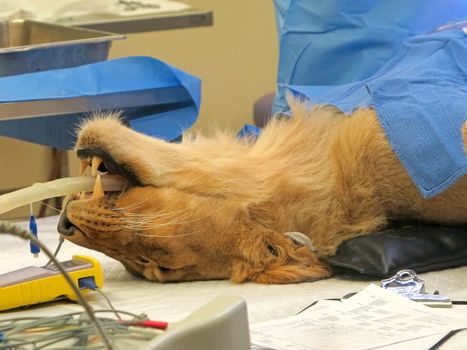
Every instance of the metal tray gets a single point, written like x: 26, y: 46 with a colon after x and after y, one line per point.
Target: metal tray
x: 29, y: 46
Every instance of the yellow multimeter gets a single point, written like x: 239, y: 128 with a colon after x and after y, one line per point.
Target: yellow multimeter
x: 34, y: 285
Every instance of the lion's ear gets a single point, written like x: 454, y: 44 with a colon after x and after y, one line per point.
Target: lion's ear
x: 273, y: 258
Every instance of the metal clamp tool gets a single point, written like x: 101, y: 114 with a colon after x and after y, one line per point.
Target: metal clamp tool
x: 407, y: 284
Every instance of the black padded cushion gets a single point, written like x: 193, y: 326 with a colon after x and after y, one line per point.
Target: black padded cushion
x: 420, y: 248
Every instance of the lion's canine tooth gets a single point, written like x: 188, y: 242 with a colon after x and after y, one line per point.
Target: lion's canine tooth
x: 83, y: 165
x: 96, y: 161
x: 98, y: 191
x: 82, y: 195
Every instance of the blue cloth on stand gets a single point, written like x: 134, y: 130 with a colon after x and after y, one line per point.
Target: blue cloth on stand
x: 336, y: 42
x: 250, y: 132
x: 175, y: 97
x: 420, y: 97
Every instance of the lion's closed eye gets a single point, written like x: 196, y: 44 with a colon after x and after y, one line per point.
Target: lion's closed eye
x: 143, y: 261
x: 166, y: 269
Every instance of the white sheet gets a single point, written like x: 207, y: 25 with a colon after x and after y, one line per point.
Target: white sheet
x: 373, y: 318
x: 174, y: 301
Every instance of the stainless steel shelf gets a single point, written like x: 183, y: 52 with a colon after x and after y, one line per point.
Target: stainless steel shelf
x: 169, y: 20
x: 84, y: 104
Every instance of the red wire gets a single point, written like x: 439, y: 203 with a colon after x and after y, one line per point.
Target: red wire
x: 155, y: 324
x: 150, y: 324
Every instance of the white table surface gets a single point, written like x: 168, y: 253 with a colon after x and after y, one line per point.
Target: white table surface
x: 174, y: 301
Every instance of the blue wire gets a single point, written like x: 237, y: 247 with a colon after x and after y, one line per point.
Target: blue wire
x: 87, y: 282
x: 33, y: 228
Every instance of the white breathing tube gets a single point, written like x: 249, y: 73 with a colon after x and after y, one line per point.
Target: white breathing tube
x: 57, y: 188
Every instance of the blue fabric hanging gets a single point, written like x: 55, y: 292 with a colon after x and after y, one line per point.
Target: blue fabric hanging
x: 420, y: 97
x: 175, y: 97
x: 335, y: 42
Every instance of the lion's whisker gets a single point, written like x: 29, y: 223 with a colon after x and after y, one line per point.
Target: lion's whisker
x: 123, y: 190
x: 150, y: 217
x: 145, y: 199
x: 51, y: 207
x: 152, y: 220
x: 158, y: 215
x: 134, y: 221
x: 153, y: 225
x: 163, y: 215
x: 130, y: 206
x: 167, y: 236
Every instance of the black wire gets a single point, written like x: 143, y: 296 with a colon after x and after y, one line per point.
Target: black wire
x: 314, y: 303
x: 445, y: 339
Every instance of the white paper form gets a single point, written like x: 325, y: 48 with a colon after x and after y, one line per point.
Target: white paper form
x: 373, y: 318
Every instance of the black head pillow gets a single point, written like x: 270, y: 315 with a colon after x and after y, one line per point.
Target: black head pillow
x: 416, y: 247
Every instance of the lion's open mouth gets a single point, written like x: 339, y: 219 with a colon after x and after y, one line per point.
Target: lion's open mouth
x: 101, y: 161
x: 97, y: 163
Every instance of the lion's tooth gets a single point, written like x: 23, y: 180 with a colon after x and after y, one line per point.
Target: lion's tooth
x: 83, y: 165
x: 96, y: 161
x: 82, y: 195
x: 98, y: 191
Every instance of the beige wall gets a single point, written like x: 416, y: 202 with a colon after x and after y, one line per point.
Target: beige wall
x: 21, y: 164
x: 236, y: 60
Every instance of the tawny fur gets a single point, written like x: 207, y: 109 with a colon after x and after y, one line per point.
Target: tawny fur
x: 217, y: 207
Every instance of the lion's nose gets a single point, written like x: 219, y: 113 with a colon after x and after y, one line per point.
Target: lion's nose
x: 65, y: 226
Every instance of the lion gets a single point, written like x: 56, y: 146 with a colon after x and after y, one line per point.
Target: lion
x: 219, y: 207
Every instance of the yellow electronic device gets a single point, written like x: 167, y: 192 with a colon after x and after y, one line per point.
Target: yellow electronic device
x: 33, y: 285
